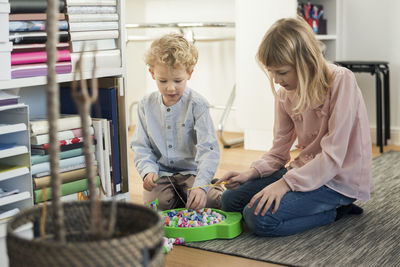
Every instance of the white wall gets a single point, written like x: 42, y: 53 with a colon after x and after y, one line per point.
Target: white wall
x: 254, y: 96
x: 135, y: 69
x: 214, y: 75
x: 372, y: 32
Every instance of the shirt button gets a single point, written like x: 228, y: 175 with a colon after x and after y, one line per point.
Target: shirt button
x: 168, y: 109
x: 183, y: 125
x: 170, y: 146
x: 172, y: 162
x: 169, y: 127
x: 211, y: 148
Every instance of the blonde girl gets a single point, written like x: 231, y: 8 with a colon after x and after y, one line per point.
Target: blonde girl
x: 320, y: 105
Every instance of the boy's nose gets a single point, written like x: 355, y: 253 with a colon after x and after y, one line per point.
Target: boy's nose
x: 170, y: 87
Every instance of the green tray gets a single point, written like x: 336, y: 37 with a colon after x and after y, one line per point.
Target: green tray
x: 227, y: 229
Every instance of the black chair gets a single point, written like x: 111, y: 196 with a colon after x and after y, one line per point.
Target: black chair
x: 379, y: 69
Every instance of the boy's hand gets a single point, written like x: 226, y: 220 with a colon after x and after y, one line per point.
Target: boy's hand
x: 148, y: 182
x: 197, y: 199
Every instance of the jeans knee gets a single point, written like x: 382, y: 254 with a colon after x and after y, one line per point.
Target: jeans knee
x: 261, y: 225
x: 229, y: 201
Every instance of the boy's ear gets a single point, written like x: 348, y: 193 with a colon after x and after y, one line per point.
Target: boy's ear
x: 190, y: 74
x: 152, y: 73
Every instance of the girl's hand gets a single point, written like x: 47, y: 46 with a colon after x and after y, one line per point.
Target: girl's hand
x: 272, y: 193
x: 148, y: 182
x: 234, y: 179
x: 197, y: 199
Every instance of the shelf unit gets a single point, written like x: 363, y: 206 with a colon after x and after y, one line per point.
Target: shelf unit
x: 32, y: 93
x: 14, y: 121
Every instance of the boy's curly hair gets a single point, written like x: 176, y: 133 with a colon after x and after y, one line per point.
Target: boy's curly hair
x: 173, y: 50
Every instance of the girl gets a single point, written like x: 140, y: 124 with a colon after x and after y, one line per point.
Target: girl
x: 321, y: 105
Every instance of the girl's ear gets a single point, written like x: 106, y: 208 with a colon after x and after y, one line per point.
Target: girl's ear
x: 190, y: 74
x: 152, y: 73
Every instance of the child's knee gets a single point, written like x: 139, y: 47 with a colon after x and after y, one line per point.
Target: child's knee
x: 231, y: 202
x: 261, y: 225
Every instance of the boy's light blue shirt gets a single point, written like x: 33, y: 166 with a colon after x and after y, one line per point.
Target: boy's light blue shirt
x: 176, y: 139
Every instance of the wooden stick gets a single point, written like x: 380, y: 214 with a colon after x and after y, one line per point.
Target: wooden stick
x: 204, y: 186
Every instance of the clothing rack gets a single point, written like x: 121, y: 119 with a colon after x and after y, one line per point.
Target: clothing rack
x: 186, y: 28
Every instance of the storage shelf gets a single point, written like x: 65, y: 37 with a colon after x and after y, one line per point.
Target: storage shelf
x: 14, y: 173
x: 14, y: 198
x: 42, y: 80
x: 13, y: 151
x: 12, y: 128
x: 3, y: 227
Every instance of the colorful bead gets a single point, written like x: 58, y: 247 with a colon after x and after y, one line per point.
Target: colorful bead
x: 192, y: 218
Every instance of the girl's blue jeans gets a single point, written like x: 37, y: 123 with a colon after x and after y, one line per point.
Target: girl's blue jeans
x: 297, y: 212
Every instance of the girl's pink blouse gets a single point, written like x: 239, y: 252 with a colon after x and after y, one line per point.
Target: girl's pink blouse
x: 333, y: 138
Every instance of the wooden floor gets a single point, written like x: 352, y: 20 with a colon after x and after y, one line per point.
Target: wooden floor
x: 235, y: 158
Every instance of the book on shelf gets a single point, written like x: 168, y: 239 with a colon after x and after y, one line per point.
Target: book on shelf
x: 61, y: 143
x: 92, y: 17
x: 33, y: 16
x: 65, y: 177
x: 91, y: 2
x: 94, y: 35
x: 34, y: 25
x: 12, y: 128
x: 91, y: 9
x: 10, y: 171
x: 92, y: 45
x: 104, y: 58
x: 66, y: 189
x: 32, y: 6
x: 36, y: 159
x: 35, y: 37
x: 38, y: 57
x: 64, y: 163
x: 14, y: 198
x: 93, y: 26
x: 66, y: 169
x: 9, y: 150
x: 106, y: 107
x: 61, y: 135
x: 38, y: 69
x: 40, y: 151
x: 7, y: 213
x: 7, y: 98
x: 39, y: 125
x: 102, y: 155
x: 108, y: 168
x: 18, y: 48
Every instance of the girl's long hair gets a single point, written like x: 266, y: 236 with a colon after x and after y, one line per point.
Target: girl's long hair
x: 291, y: 41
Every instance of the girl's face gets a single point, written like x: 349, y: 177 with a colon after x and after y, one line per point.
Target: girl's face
x: 171, y: 82
x: 285, y: 76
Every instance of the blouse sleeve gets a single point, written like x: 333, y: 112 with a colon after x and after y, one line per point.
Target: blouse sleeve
x: 344, y: 104
x: 284, y: 137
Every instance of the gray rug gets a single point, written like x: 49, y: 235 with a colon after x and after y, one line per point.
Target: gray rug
x: 370, y: 239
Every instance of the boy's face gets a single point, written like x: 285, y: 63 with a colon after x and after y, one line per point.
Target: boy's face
x: 285, y: 76
x: 171, y: 82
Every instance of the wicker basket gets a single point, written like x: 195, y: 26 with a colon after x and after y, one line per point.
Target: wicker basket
x: 137, y: 240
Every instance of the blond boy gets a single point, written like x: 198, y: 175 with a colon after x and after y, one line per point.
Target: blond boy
x: 175, y: 144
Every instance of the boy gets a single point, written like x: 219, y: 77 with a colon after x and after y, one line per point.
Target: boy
x: 175, y: 145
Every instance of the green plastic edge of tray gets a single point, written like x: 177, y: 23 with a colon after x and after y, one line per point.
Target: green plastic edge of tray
x: 230, y: 228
